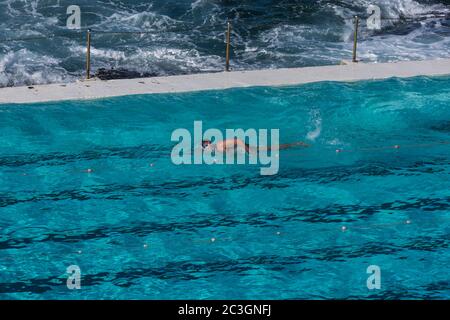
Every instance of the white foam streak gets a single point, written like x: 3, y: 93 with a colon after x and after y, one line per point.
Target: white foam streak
x: 315, y: 125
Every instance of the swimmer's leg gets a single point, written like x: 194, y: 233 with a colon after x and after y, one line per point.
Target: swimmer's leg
x: 249, y: 149
x: 286, y: 146
x: 291, y: 145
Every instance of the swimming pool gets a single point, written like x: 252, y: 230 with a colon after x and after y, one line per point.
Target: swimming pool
x: 140, y: 227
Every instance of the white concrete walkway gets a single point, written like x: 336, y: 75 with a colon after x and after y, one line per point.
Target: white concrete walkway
x: 277, y: 77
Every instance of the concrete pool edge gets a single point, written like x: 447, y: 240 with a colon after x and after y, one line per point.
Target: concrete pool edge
x: 96, y: 89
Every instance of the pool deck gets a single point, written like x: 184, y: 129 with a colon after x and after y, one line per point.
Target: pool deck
x: 94, y: 89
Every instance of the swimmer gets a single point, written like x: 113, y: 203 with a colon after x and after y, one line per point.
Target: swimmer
x: 233, y: 144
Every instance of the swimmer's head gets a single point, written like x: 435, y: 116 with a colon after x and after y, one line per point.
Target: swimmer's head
x: 206, y: 143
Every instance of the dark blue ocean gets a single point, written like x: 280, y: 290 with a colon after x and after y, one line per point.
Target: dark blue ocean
x: 184, y: 36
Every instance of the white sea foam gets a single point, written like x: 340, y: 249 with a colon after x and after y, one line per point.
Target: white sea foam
x: 27, y: 67
x: 137, y: 21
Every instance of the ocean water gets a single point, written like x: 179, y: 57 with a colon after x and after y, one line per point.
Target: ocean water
x: 188, y: 36
x: 140, y: 227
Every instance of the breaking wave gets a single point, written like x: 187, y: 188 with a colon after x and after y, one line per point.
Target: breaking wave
x: 188, y: 36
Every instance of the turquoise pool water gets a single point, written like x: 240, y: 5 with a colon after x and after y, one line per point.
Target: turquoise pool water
x: 140, y: 227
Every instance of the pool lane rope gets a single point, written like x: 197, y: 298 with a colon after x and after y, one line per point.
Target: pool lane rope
x: 395, y: 147
x: 343, y: 228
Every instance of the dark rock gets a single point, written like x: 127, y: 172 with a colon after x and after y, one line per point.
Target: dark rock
x: 111, y: 74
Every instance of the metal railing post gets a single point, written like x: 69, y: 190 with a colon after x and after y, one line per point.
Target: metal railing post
x: 227, y: 64
x: 88, y: 55
x: 355, y: 39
